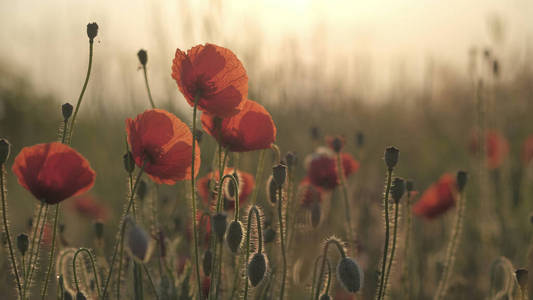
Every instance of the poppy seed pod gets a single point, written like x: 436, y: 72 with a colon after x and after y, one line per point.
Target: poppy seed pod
x: 5, y: 148
x: 99, y: 230
x: 350, y: 275
x: 206, y: 263
x: 92, y: 31
x: 234, y: 236
x: 219, y: 221
x: 269, y: 236
x: 325, y: 297
x: 129, y: 163
x: 257, y: 268
x: 80, y: 296
x: 22, y: 243
x: 279, y: 173
x: 66, y: 110
x: 139, y: 243
x: 391, y: 157
x: 462, y: 178
x: 409, y: 185
x: 397, y: 189
x: 143, y: 57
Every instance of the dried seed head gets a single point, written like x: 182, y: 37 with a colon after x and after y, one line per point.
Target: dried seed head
x: 409, y: 185
x: 350, y: 275
x: 22, y: 243
x: 279, y: 173
x: 234, y: 236
x: 66, y: 110
x: 219, y: 223
x: 315, y: 214
x: 143, y: 57
x: 291, y: 159
x: 269, y: 235
x: 397, y: 189
x: 139, y: 242
x: 92, y: 31
x: 462, y: 179
x: 257, y: 268
x: 142, y: 190
x: 272, y: 190
x: 80, y: 296
x: 391, y: 157
x: 99, y: 229
x: 522, y: 277
x: 207, y: 262
x: 5, y: 148
x: 129, y: 163
x: 325, y: 297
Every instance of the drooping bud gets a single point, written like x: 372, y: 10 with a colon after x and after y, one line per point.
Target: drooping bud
x: 207, y: 262
x: 219, y: 221
x: 129, y: 163
x: 462, y: 179
x: 234, y: 236
x: 257, y: 268
x: 325, y: 297
x: 80, y: 296
x: 139, y: 242
x: 269, y: 235
x: 23, y: 243
x: 397, y: 189
x: 5, y: 148
x: 92, y: 31
x: 272, y: 190
x: 409, y: 185
x: 66, y: 110
x: 99, y: 229
x: 391, y: 157
x: 279, y: 173
x: 143, y: 57
x: 350, y: 275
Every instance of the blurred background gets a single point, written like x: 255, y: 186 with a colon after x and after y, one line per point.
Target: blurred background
x: 410, y: 74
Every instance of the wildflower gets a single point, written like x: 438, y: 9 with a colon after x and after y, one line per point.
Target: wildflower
x: 215, y: 75
x: 163, y: 144
x: 350, y: 275
x: 438, y: 198
x: 497, y: 148
x: 250, y: 129
x: 53, y: 172
x: 206, y: 187
x: 322, y: 168
x: 88, y: 206
x: 527, y: 150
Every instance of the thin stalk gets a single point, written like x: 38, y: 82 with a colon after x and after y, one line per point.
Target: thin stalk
x: 406, y: 268
x: 51, y: 258
x: 387, y: 229
x: 393, y: 249
x: 219, y: 272
x: 138, y: 282
x: 282, y: 239
x: 326, y: 292
x: 347, y: 214
x: 65, y: 131
x: 6, y: 230
x: 148, y: 87
x: 152, y: 285
x: 91, y: 258
x: 121, y: 255
x: 258, y: 176
x: 193, y: 197
x: 317, y: 260
x: 32, y: 264
x: 325, y: 255
x: 32, y: 247
x: 255, y: 211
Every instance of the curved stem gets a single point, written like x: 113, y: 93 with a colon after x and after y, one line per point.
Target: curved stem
x: 325, y: 256
x: 152, y: 285
x: 193, y: 197
x: 93, y: 266
x: 6, y: 230
x: 148, y: 87
x: 258, y: 176
x: 393, y: 249
x: 326, y: 292
x: 282, y: 239
x: 51, y: 258
x: 347, y: 214
x: 32, y: 248
x: 317, y: 260
x: 387, y: 229
x: 253, y: 210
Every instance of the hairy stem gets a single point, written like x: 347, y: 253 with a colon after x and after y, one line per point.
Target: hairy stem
x: 148, y: 87
x: 193, y: 197
x: 394, y: 238
x: 381, y: 290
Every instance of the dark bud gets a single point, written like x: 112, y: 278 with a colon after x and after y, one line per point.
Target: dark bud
x: 234, y: 236
x: 522, y: 277
x: 397, y: 189
x: 198, y: 135
x: 143, y: 57
x: 67, y: 296
x: 350, y: 275
x: 272, y: 191
x: 359, y: 139
x: 279, y: 173
x: 291, y: 159
x: 409, y: 185
x: 496, y: 67
x: 257, y: 269
x: 139, y: 243
x: 269, y: 236
x: 391, y: 157
x: 22, y: 243
x: 462, y: 178
x: 142, y: 190
x: 325, y: 297
x: 66, y: 110
x: 5, y: 148
x: 337, y: 144
x: 220, y: 223
x: 80, y: 296
x: 206, y: 263
x: 129, y: 163
x: 99, y: 230
x: 315, y: 214
x: 315, y: 134
x: 92, y: 31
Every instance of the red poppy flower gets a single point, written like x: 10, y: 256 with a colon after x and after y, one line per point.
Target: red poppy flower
x: 206, y: 187
x: 438, y: 198
x: 250, y: 129
x: 88, y: 206
x: 309, y: 193
x: 164, y: 143
x: 322, y: 168
x: 497, y: 148
x: 53, y: 172
x: 527, y: 150
x: 349, y: 164
x: 215, y: 74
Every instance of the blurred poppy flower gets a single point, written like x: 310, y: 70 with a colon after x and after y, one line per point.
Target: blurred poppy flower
x: 53, y: 172
x: 207, y: 185
x: 250, y: 129
x: 438, y: 198
x: 497, y: 148
x: 164, y: 143
x: 88, y: 206
x: 309, y: 193
x: 322, y: 168
x: 527, y: 150
x: 215, y: 74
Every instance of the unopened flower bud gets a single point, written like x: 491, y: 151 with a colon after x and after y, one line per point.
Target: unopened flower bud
x: 257, y: 268
x: 5, y: 148
x: 272, y: 190
x: 462, y: 178
x: 66, y: 110
x: 143, y: 57
x: 219, y: 221
x: 279, y: 173
x: 92, y: 31
x: 207, y: 262
x: 22, y: 243
x: 269, y: 236
x: 397, y: 189
x: 360, y: 139
x: 315, y: 134
x: 336, y: 144
x: 139, y: 242
x: 234, y: 236
x: 80, y: 296
x: 129, y: 163
x: 350, y: 275
x: 99, y: 230
x: 391, y: 157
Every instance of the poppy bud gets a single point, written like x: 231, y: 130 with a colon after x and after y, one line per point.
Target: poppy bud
x: 496, y: 68
x: 272, y: 191
x: 325, y: 297
x: 522, y: 276
x: 129, y: 163
x: 99, y: 230
x: 350, y: 275
x: 143, y: 57
x: 142, y: 190
x: 257, y: 268
x: 5, y: 148
x: 206, y: 263
x: 234, y: 236
x: 80, y: 296
x: 279, y: 173
x: 409, y: 185
x: 397, y: 189
x: 139, y: 243
x: 315, y: 214
x: 391, y: 157
x: 360, y: 139
x: 315, y: 134
x: 291, y: 159
x: 66, y: 110
x: 22, y: 243
x: 92, y: 31
x: 219, y: 221
x: 269, y: 236
x: 462, y: 178
x: 336, y: 144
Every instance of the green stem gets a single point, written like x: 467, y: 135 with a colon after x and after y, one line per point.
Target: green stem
x: 340, y: 171
x: 387, y: 229
x: 324, y: 259
x: 138, y: 282
x: 82, y: 91
x: 32, y: 247
x: 74, y: 271
x: 65, y: 131
x: 282, y: 239
x: 148, y: 87
x: 258, y: 176
x: 6, y: 229
x: 193, y: 197
x: 35, y: 255
x: 326, y: 292
x: 406, y: 268
x: 393, y: 249
x: 253, y: 210
x: 152, y: 285
x: 51, y: 258
x: 315, y: 269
